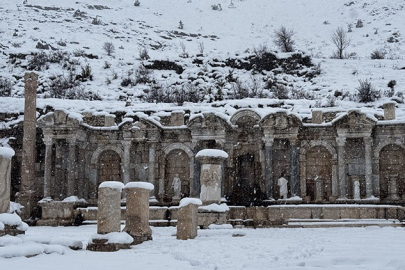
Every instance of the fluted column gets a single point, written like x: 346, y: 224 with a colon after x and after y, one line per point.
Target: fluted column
x: 71, y: 177
x: 341, y: 141
x: 268, y: 167
x: 294, y: 168
x: 48, y: 166
x: 368, y: 166
x: 151, y: 166
x: 126, y: 162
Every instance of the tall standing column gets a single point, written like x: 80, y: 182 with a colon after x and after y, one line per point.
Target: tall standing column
x: 294, y: 168
x: 267, y: 168
x: 151, y: 166
x: 48, y: 166
x: 368, y: 166
x: 71, y: 188
x: 125, y: 174
x: 28, y: 192
x: 341, y: 141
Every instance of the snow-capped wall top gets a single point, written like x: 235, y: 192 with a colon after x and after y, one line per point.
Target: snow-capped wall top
x: 186, y: 201
x: 212, y: 153
x: 144, y: 185
x: 112, y: 184
x: 6, y: 152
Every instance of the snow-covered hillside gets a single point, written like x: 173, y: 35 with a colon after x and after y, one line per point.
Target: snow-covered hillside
x: 70, y: 36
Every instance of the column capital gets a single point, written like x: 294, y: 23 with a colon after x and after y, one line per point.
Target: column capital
x: 341, y: 141
x: 268, y: 141
x: 48, y: 140
x: 368, y: 140
x: 126, y: 144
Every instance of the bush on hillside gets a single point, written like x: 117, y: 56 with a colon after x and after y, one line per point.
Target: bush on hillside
x: 366, y: 92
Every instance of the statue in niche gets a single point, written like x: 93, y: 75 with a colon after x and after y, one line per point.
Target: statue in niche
x: 282, y: 183
x: 356, y: 192
x: 176, y: 185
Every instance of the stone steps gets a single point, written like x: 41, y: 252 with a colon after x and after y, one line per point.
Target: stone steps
x: 332, y: 223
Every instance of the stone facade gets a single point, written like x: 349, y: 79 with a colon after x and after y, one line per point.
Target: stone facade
x: 321, y: 161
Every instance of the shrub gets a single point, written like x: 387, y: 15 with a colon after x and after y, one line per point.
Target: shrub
x: 5, y: 87
x: 96, y: 21
x: 143, y: 75
x: 200, y: 46
x: 283, y: 38
x: 106, y: 65
x: 59, y: 85
x: 126, y: 81
x: 359, y: 23
x: 38, y: 61
x: 137, y: 3
x: 366, y: 92
x: 377, y: 54
x: 109, y: 48
x: 86, y: 73
x: 143, y: 53
x: 165, y: 65
x: 79, y: 53
x: 181, y: 25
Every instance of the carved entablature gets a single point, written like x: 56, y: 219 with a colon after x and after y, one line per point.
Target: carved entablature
x: 281, y: 124
x: 355, y: 124
x: 209, y: 126
x: 59, y: 119
x: 145, y: 129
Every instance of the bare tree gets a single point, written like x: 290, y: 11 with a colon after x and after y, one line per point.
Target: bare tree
x: 283, y: 38
x: 108, y: 48
x: 341, y: 41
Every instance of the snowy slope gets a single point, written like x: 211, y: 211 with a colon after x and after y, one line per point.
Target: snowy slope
x: 241, y: 26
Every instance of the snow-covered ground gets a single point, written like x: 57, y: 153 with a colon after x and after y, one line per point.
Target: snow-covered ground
x: 277, y: 248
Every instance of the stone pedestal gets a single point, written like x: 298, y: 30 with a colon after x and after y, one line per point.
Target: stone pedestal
x: 59, y: 213
x: 211, y: 174
x: 109, y: 207
x: 317, y: 116
x: 389, y: 111
x: 137, y: 214
x: 5, y: 181
x: 318, y: 190
x: 187, y: 219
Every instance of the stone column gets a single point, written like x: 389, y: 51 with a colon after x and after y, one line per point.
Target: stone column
x: 389, y: 110
x: 28, y: 192
x: 151, y: 166
x: 368, y: 166
x: 71, y: 177
x: 5, y: 178
x: 126, y: 161
x: 295, y: 185
x: 210, y: 176
x: 341, y: 141
x: 48, y: 167
x: 109, y: 207
x: 187, y: 219
x: 137, y: 214
x: 267, y: 168
x: 58, y: 189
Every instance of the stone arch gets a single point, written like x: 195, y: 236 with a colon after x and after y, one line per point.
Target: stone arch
x: 245, y: 113
x: 324, y: 169
x: 391, y: 171
x: 94, y: 166
x: 178, y: 159
x: 380, y: 146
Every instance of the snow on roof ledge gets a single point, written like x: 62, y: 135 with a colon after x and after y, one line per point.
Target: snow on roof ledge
x: 112, y: 184
x: 212, y: 153
x: 186, y: 201
x: 6, y: 152
x: 144, y: 185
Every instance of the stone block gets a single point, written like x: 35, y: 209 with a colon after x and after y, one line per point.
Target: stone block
x: 57, y: 213
x: 316, y: 213
x: 207, y: 218
x: 274, y: 213
x: 392, y: 213
x: 109, y: 120
x: 177, y: 119
x: 368, y: 213
x: 331, y: 212
x: 350, y: 212
x: 187, y: 222
x: 158, y: 213
x: 237, y: 212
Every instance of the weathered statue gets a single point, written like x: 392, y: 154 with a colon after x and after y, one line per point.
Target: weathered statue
x: 282, y: 183
x: 176, y: 185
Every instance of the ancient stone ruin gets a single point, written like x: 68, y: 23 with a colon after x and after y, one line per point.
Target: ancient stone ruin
x: 187, y: 219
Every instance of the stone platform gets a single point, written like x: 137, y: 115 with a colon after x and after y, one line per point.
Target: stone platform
x: 283, y: 215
